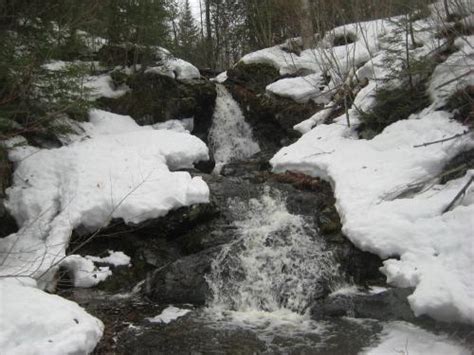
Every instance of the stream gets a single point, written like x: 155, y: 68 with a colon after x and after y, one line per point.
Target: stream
x: 258, y: 271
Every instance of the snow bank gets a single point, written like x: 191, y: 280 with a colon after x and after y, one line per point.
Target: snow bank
x: 405, y: 338
x: 169, y: 314
x: 176, y: 68
x: 184, y: 125
x: 370, y: 178
x: 301, y: 89
x: 455, y: 73
x: 367, y: 39
x: 34, y: 322
x: 103, y: 86
x: 117, y: 170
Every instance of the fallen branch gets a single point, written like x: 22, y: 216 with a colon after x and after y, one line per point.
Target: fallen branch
x: 454, y: 79
x: 443, y: 140
x: 459, y: 195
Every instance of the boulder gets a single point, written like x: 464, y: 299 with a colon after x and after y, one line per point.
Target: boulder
x: 155, y: 98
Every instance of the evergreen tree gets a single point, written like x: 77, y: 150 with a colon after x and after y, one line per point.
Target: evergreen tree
x: 188, y: 34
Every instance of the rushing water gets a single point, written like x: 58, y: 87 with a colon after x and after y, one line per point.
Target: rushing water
x: 269, y: 276
x: 230, y: 137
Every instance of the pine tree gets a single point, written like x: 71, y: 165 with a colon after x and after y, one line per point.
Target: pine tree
x: 188, y: 33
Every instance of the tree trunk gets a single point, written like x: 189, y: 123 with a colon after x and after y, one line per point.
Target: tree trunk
x: 209, y: 50
x: 306, y: 25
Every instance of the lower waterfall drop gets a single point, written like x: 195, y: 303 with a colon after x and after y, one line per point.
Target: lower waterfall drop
x: 230, y: 137
x: 277, y: 263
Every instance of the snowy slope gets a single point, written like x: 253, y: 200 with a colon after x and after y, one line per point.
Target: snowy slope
x: 117, y: 170
x: 377, y: 182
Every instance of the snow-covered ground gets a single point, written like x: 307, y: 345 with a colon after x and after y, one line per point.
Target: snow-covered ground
x: 377, y: 182
x: 34, y: 322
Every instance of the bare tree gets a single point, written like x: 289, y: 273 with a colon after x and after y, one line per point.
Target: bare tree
x: 306, y: 23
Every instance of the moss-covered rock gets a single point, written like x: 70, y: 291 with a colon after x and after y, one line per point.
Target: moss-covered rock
x: 255, y: 77
x: 157, y: 98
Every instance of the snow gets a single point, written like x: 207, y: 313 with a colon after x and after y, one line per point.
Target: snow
x: 116, y: 170
x: 221, y: 78
x: 102, y: 86
x: 83, y: 271
x: 98, y: 85
x: 169, y: 314
x: 386, y: 188
x: 184, y: 125
x: 318, y: 60
x: 435, y: 249
x: 176, y: 68
x: 455, y: 73
x: 115, y: 258
x: 34, y: 322
x: 300, y: 89
x: 404, y: 338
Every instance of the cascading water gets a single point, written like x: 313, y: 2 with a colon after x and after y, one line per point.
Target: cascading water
x: 277, y: 263
x: 230, y: 137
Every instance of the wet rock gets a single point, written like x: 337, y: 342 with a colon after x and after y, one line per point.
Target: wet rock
x: 188, y: 336
x: 272, y: 118
x: 388, y: 305
x: 157, y: 98
x: 7, y: 222
x: 255, y: 76
x: 182, y: 281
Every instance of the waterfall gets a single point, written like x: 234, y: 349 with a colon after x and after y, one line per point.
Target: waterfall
x: 230, y: 137
x: 276, y: 262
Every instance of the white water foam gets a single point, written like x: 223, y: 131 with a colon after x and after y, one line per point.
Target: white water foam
x: 230, y: 137
x: 268, y: 277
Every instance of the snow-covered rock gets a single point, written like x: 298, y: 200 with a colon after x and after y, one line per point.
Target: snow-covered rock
x: 176, y: 68
x: 34, y: 322
x: 300, y: 89
x: 117, y: 170
x: 83, y: 271
x: 435, y: 249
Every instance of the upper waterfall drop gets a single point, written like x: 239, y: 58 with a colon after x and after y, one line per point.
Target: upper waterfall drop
x: 230, y: 137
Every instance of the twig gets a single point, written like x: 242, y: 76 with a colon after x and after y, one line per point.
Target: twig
x: 459, y: 195
x: 443, y: 140
x: 454, y: 79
